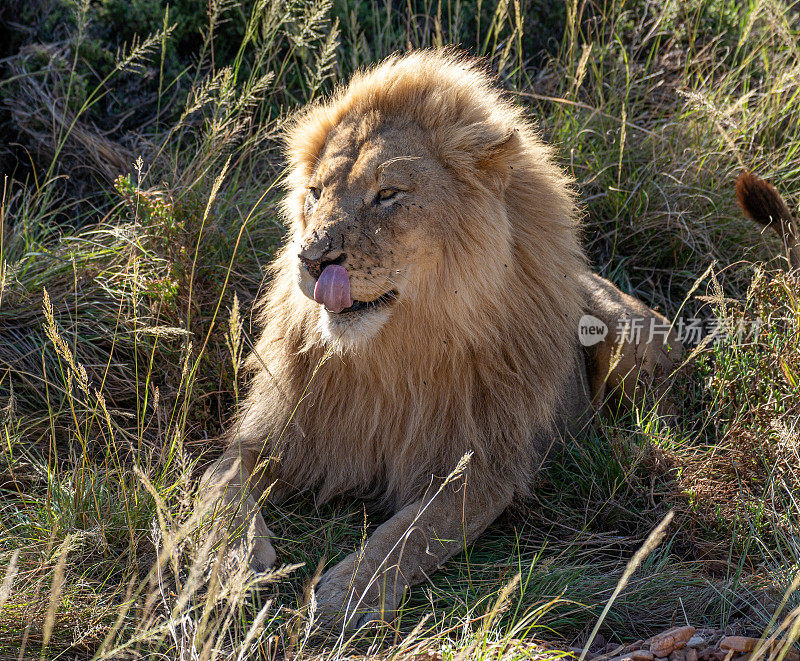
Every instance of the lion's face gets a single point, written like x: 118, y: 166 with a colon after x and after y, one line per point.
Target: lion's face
x: 368, y: 234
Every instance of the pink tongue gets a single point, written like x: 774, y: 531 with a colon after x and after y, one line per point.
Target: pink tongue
x: 333, y: 288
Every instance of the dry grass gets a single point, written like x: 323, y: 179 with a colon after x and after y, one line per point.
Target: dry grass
x: 125, y: 310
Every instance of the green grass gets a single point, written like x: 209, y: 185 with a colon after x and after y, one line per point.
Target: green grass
x: 139, y: 210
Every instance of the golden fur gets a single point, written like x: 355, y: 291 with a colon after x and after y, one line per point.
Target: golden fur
x: 456, y: 367
x: 475, y: 251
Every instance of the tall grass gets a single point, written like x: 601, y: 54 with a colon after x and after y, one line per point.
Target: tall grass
x: 127, y: 273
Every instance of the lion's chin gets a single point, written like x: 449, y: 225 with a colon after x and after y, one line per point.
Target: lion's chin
x: 347, y: 333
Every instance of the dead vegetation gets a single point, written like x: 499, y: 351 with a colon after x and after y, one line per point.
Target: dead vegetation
x: 141, y: 217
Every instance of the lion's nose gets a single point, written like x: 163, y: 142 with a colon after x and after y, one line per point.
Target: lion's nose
x: 315, y: 261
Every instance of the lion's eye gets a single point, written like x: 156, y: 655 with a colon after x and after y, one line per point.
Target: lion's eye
x: 314, y: 192
x: 386, y: 194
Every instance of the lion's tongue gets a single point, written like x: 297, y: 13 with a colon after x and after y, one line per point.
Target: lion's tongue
x: 333, y: 288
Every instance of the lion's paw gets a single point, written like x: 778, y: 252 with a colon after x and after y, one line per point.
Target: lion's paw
x: 349, y: 596
x: 257, y: 553
x: 248, y: 546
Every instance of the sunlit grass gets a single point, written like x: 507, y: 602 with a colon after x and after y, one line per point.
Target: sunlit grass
x: 126, y: 283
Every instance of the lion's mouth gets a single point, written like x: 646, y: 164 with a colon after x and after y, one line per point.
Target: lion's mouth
x: 385, y: 299
x: 332, y: 291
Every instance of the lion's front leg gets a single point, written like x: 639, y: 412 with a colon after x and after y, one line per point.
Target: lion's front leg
x: 370, y: 584
x: 229, y: 500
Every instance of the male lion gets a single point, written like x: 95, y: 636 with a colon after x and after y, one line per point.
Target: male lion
x: 425, y: 309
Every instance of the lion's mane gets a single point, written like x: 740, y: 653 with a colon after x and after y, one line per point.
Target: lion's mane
x: 482, y: 362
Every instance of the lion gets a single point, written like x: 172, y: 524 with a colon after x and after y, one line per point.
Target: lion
x: 421, y: 343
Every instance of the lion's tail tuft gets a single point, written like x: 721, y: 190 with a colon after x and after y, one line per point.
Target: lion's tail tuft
x: 762, y: 203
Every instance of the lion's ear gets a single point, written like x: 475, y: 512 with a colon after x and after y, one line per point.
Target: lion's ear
x: 496, y: 148
x: 494, y: 156
x: 482, y: 148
